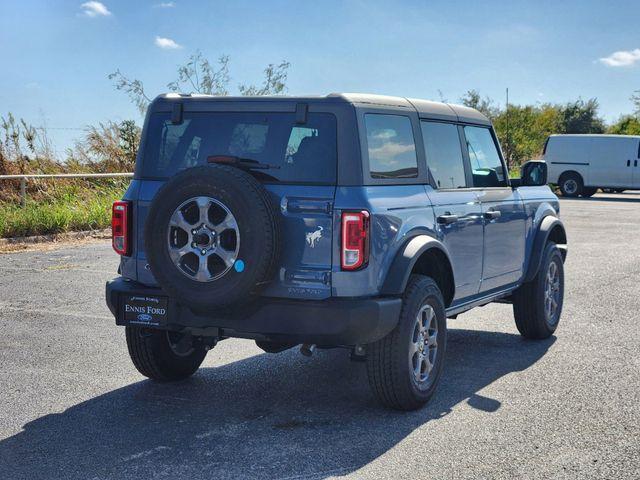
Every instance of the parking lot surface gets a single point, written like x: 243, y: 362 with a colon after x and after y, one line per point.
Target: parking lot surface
x: 72, y: 406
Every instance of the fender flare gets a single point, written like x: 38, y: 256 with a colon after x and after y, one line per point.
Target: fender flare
x: 548, y: 224
x: 398, y: 273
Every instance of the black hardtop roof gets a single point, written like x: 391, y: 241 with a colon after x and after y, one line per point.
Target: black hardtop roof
x: 425, y: 108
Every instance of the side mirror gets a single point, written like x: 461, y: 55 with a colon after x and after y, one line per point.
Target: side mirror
x: 533, y: 174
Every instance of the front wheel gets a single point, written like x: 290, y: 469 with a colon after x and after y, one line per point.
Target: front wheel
x: 537, y: 304
x: 163, y: 355
x: 405, y: 366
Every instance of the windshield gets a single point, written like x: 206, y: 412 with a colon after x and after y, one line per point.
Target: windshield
x: 299, y: 153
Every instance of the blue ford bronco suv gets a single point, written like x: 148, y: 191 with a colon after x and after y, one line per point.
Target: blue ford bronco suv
x: 349, y: 220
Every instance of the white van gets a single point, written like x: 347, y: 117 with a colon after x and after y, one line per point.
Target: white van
x: 580, y: 164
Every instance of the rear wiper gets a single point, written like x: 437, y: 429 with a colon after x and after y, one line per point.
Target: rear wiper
x: 239, y: 162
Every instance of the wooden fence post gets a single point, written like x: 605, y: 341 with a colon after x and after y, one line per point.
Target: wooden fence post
x: 23, y: 191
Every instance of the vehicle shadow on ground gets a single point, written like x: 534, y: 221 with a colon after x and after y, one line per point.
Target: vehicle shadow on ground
x: 267, y: 416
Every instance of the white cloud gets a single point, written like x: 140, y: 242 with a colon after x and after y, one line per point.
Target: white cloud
x: 384, y: 134
x: 390, y: 151
x: 165, y: 5
x: 95, y: 9
x: 622, y: 58
x: 166, y: 43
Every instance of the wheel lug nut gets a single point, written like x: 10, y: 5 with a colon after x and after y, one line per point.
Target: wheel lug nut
x: 203, y: 252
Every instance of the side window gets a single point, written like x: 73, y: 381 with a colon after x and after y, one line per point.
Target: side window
x: 486, y: 165
x: 392, y: 150
x: 444, y: 154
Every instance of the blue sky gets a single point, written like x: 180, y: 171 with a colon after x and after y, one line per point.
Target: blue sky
x: 57, y: 55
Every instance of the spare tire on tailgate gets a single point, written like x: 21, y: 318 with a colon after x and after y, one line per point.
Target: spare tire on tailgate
x: 211, y: 237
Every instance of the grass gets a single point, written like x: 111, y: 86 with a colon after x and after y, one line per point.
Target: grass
x: 70, y: 207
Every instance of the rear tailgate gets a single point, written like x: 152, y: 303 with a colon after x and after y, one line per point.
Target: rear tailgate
x: 306, y: 222
x: 306, y: 250
x: 299, y: 149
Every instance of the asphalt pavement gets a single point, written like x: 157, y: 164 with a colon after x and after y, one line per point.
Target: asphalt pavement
x: 72, y: 406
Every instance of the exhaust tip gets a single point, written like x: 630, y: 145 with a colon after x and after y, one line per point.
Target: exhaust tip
x: 307, y: 349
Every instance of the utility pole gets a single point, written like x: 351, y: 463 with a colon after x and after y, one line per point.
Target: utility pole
x: 507, y: 133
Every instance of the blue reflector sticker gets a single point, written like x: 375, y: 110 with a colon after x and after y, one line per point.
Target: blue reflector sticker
x: 239, y: 266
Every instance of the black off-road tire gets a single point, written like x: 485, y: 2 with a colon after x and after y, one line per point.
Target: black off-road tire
x: 154, y: 358
x: 529, y: 300
x: 571, y: 184
x: 388, y: 360
x: 259, y: 236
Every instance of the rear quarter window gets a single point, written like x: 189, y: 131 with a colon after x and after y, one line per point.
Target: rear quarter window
x: 297, y: 153
x: 391, y: 146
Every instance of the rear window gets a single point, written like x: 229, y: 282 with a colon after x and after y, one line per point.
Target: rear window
x: 304, y: 153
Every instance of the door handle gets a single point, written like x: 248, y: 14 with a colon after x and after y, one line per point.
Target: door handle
x: 447, y: 219
x: 628, y: 163
x: 492, y: 214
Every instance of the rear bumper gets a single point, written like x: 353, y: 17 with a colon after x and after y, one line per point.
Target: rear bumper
x: 328, y: 322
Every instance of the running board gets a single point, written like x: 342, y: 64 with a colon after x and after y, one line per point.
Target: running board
x: 502, y: 296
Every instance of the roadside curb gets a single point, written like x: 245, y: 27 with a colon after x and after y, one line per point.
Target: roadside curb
x: 56, y: 237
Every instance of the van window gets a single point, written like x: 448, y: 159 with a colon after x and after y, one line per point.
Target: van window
x: 444, y: 154
x: 392, y: 150
x: 298, y: 153
x: 486, y: 165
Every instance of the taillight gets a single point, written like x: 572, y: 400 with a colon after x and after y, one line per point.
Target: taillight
x: 355, y: 240
x: 120, y: 218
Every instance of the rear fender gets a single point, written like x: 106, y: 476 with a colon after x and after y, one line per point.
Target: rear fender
x: 405, y: 261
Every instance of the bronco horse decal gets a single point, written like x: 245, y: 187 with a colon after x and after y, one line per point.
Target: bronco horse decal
x: 314, y: 237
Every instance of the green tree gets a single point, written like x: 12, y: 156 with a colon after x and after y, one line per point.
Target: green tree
x: 626, y: 125
x: 529, y: 127
x: 582, y: 117
x: 484, y: 105
x: 635, y: 98
x: 199, y: 75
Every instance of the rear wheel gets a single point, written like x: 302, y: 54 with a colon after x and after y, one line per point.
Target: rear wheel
x: 570, y: 184
x: 405, y: 366
x: 537, y: 305
x: 163, y: 355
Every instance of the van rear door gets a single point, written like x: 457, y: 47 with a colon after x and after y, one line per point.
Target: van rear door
x: 634, y: 162
x: 611, y: 161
